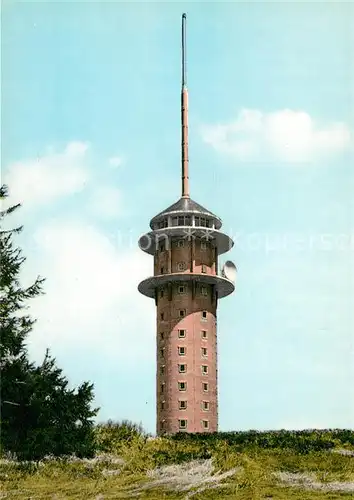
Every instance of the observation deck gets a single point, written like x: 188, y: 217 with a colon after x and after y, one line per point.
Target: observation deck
x: 189, y: 225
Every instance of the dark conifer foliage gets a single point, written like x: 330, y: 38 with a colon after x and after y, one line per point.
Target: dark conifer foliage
x: 40, y: 414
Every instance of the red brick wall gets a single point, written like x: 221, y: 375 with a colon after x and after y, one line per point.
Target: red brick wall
x: 193, y: 303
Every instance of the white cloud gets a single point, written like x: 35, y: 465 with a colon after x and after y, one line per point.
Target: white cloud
x: 91, y: 301
x: 284, y: 135
x: 38, y: 181
x: 106, y: 202
x: 91, y: 297
x: 115, y: 161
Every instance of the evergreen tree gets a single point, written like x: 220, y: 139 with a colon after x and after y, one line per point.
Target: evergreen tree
x: 40, y: 415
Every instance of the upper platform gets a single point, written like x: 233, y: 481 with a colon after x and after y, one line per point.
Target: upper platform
x: 184, y: 207
x: 223, y: 286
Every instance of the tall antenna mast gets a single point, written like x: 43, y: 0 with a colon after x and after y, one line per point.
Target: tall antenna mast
x: 184, y: 114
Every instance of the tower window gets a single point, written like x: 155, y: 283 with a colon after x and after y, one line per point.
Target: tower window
x: 162, y: 246
x: 182, y: 368
x: 181, y: 289
x: 206, y: 405
x: 161, y: 270
x: 182, y: 313
x: 204, y: 334
x: 205, y: 424
x: 204, y: 315
x: 162, y: 405
x: 202, y: 221
x: 203, y: 245
x: 162, y: 353
x: 204, y: 268
x: 204, y: 352
x: 181, y: 334
x: 204, y: 290
x: 182, y: 386
x: 181, y: 221
x: 182, y: 405
x: 204, y: 370
x: 162, y: 370
x: 180, y: 243
x: 205, y: 386
x: 182, y: 351
x: 181, y: 266
x: 162, y: 336
x: 162, y: 388
x: 162, y: 316
x: 183, y: 423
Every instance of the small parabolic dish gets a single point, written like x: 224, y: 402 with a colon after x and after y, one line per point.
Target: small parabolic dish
x: 229, y: 271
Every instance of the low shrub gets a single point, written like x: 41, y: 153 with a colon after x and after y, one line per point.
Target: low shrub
x: 300, y: 441
x: 109, y: 436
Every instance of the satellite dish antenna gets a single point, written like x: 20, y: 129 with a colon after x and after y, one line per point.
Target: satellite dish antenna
x: 229, y: 271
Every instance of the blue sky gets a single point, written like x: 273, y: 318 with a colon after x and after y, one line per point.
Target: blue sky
x: 91, y: 146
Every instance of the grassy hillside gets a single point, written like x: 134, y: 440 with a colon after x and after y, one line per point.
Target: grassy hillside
x: 283, y: 465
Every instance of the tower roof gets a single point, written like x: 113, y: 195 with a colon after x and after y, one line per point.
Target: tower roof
x: 186, y: 206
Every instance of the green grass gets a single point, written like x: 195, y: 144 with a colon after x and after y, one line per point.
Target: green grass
x: 62, y: 479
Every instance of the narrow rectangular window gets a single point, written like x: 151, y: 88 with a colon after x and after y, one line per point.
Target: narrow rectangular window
x: 182, y: 386
x: 183, y: 423
x: 181, y: 334
x: 181, y: 289
x: 204, y: 290
x: 162, y: 405
x: 162, y: 388
x: 162, y: 316
x: 162, y: 336
x: 204, y: 334
x: 204, y: 370
x: 182, y: 351
x: 161, y: 270
x: 180, y: 243
x: 204, y: 315
x: 205, y: 424
x: 182, y: 368
x: 205, y: 386
x: 162, y: 370
x: 182, y: 313
x: 182, y: 405
x: 204, y: 352
x: 206, y: 405
x: 162, y: 353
